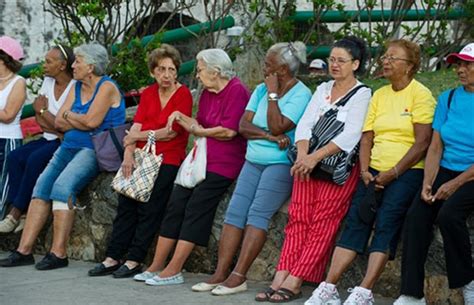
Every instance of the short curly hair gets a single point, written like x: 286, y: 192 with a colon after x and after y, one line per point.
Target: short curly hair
x: 413, y: 53
x: 10, y: 63
x: 164, y: 51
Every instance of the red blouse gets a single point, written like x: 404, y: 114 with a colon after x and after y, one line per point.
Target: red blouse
x: 153, y: 117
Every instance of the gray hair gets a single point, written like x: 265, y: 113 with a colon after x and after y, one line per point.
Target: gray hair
x: 94, y: 54
x: 218, y: 60
x: 290, y: 53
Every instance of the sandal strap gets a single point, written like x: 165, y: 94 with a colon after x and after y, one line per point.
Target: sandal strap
x: 238, y: 274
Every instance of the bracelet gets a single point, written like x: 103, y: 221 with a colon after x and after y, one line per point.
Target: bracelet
x: 363, y: 171
x: 395, y: 169
x: 65, y: 114
x: 326, y: 150
x: 192, y: 128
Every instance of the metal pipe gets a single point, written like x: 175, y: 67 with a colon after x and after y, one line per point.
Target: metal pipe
x: 379, y: 15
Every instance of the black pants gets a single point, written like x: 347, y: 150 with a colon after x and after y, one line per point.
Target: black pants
x: 190, y: 212
x: 137, y: 223
x: 451, y: 216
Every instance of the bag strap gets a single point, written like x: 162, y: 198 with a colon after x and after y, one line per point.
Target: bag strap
x: 116, y: 142
x: 348, y: 96
x: 450, y: 97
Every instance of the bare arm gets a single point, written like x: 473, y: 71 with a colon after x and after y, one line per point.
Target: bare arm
x: 416, y: 152
x: 15, y: 101
x: 249, y: 131
x: 60, y: 123
x: 277, y: 122
x: 366, y: 143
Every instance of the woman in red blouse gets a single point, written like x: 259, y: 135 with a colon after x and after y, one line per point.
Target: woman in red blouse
x: 136, y: 223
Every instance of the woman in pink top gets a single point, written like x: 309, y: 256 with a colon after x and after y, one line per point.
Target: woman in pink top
x: 190, y: 212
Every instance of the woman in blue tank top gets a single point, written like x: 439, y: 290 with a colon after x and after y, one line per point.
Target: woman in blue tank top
x: 95, y: 104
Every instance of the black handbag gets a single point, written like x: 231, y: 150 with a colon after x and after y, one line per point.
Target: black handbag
x: 337, y: 167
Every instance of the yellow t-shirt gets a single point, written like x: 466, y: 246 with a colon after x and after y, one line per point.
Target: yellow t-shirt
x: 391, y: 116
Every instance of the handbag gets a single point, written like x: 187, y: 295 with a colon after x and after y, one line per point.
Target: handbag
x: 108, y: 146
x: 337, y: 167
x: 139, y: 185
x: 193, y: 169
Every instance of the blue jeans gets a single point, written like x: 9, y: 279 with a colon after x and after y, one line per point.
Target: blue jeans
x: 6, y: 146
x: 260, y: 191
x: 68, y: 173
x: 25, y: 164
x: 397, y: 198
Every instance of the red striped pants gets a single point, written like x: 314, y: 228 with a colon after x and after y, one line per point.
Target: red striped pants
x: 316, y: 210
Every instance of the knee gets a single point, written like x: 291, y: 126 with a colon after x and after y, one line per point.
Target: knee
x: 236, y: 217
x: 447, y: 216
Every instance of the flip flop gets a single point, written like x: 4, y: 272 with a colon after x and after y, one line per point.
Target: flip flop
x: 269, y: 291
x: 286, y: 296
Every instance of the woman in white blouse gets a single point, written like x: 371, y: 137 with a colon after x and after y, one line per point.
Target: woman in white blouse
x: 317, y: 205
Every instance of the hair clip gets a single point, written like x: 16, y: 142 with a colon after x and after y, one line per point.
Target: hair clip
x: 291, y: 49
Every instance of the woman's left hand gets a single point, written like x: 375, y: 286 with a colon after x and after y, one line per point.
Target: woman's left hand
x: 303, y: 167
x: 446, y: 190
x: 271, y: 81
x: 384, y: 178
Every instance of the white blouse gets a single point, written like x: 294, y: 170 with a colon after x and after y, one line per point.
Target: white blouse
x: 353, y: 114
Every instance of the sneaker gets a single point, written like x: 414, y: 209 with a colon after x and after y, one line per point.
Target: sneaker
x: 408, y: 300
x: 17, y: 259
x: 325, y: 294
x: 359, y: 296
x: 468, y: 293
x: 8, y: 224
x: 21, y: 224
x: 164, y: 281
x: 142, y: 277
x: 50, y: 261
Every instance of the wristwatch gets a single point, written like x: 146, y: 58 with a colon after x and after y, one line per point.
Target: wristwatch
x: 272, y: 96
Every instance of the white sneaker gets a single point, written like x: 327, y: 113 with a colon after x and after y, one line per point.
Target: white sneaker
x: 359, y: 296
x: 142, y: 277
x: 325, y: 294
x: 408, y: 300
x: 8, y: 224
x: 468, y: 293
x: 21, y: 224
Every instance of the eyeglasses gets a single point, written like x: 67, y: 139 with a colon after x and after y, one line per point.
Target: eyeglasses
x: 391, y: 58
x: 63, y: 51
x: 339, y: 60
x: 163, y: 70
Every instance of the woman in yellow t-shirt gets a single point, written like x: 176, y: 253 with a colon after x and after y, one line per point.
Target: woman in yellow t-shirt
x: 395, y: 138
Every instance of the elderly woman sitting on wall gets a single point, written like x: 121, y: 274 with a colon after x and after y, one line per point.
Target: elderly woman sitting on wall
x: 265, y: 182
x: 94, y: 104
x: 190, y: 211
x: 447, y: 195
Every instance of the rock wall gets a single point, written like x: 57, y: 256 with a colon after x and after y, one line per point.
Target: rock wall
x: 93, y: 226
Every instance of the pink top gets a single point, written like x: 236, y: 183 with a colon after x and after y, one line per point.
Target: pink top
x: 224, y: 109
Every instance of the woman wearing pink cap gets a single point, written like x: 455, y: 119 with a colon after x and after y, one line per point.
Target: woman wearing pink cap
x: 446, y: 196
x: 12, y: 97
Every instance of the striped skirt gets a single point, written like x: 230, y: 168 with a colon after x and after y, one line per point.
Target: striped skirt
x: 6, y: 146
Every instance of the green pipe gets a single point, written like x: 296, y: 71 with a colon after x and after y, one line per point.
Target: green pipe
x: 188, y: 31
x: 323, y: 51
x: 379, y: 15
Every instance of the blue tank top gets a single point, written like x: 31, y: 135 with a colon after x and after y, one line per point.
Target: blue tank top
x: 75, y: 138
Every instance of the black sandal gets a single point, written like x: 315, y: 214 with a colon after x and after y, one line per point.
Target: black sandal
x: 286, y: 295
x: 269, y: 291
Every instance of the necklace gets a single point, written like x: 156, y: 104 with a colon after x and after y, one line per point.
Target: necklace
x: 287, y: 86
x: 6, y: 77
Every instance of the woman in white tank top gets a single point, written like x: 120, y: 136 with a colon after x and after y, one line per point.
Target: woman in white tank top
x: 12, y: 98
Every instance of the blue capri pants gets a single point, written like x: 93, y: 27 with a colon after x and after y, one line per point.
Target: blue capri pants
x: 260, y: 191
x: 67, y: 174
x: 396, y: 199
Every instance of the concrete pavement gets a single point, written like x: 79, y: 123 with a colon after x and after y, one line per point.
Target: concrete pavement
x: 71, y: 286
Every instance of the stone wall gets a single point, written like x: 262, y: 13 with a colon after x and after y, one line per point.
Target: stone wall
x: 93, y: 226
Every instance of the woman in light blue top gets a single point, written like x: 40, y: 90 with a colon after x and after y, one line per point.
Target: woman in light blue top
x: 264, y: 183
x: 93, y: 105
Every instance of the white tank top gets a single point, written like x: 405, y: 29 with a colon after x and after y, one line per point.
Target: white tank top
x: 11, y: 130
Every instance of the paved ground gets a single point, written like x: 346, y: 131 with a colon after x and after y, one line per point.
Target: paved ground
x: 70, y: 286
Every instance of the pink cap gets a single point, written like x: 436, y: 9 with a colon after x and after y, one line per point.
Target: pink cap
x: 12, y: 47
x: 466, y: 54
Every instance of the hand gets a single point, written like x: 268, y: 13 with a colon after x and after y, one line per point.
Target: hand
x: 131, y: 137
x: 41, y: 102
x: 426, y: 194
x: 367, y: 177
x: 304, y: 166
x: 282, y: 140
x: 384, y: 178
x: 271, y: 81
x: 128, y: 163
x: 446, y: 190
x: 175, y: 116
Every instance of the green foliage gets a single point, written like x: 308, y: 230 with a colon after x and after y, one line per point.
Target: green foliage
x: 35, y: 79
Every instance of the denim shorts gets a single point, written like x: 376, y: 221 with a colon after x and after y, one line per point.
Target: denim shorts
x: 396, y: 199
x: 67, y: 174
x: 260, y: 191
